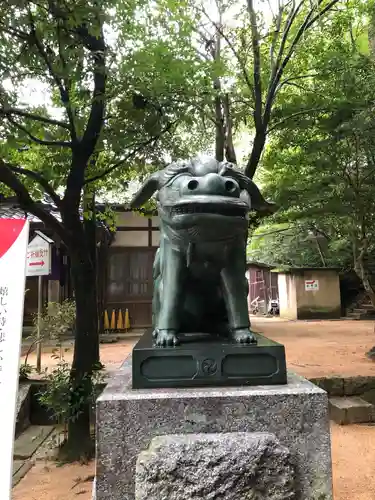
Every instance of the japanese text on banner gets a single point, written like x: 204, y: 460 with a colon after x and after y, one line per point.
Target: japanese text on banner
x: 3, y: 322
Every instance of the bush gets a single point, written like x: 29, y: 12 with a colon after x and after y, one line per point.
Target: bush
x: 61, y: 399
x: 25, y: 371
x: 57, y: 320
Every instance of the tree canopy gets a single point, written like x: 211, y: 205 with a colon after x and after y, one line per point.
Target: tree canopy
x: 319, y: 167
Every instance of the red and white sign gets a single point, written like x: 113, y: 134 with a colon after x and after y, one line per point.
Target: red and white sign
x: 311, y: 285
x: 39, y: 255
x: 14, y: 235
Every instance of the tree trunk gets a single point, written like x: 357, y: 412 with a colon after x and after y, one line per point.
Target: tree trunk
x: 366, y: 277
x: 230, y: 153
x: 86, y: 349
x: 360, y: 254
x: 90, y: 230
x: 219, y: 127
x: 256, y: 153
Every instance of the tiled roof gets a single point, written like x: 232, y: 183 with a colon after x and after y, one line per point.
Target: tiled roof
x: 10, y: 209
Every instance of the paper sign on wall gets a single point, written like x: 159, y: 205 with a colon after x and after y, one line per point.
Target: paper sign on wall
x: 14, y: 235
x: 311, y: 285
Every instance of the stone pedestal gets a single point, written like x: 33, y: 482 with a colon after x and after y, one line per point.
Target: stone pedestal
x: 127, y: 420
x: 203, y: 360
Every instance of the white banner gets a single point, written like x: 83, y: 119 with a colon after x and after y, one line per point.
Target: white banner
x: 14, y: 235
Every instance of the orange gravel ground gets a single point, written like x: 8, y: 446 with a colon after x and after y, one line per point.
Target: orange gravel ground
x: 313, y: 349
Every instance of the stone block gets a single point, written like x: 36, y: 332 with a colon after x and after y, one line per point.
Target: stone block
x: 23, y: 407
x: 127, y: 421
x: 334, y: 386
x: 228, y: 466
x: 350, y: 410
x: 356, y: 386
x: 29, y: 441
x: 20, y: 469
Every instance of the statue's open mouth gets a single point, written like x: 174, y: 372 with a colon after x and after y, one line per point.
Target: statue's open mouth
x: 208, y: 208
x: 208, y: 205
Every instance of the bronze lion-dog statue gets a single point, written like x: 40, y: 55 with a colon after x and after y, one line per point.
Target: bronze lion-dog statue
x: 199, y: 269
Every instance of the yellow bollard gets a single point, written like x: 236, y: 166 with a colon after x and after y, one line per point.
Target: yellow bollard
x: 113, y: 320
x: 120, y: 324
x: 127, y: 320
x: 106, y: 320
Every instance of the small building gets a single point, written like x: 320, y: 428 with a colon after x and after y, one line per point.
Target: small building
x: 309, y: 293
x: 129, y: 279
x: 262, y: 287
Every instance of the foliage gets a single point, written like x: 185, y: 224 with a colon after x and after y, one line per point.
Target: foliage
x: 262, y: 52
x: 56, y: 320
x: 59, y: 393
x: 25, y: 371
x: 323, y: 175
x: 110, y: 81
x: 291, y: 245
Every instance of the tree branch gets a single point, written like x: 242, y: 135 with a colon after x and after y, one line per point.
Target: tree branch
x: 308, y: 22
x: 40, y: 180
x: 275, y: 36
x: 141, y: 146
x: 8, y: 178
x: 42, y: 142
x: 257, y: 89
x: 25, y: 114
x: 233, y: 49
x: 293, y: 115
x: 288, y: 24
x: 64, y: 94
x: 292, y: 78
x: 87, y: 145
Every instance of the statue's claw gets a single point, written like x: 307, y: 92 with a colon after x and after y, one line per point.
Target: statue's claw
x: 164, y: 338
x: 244, y: 336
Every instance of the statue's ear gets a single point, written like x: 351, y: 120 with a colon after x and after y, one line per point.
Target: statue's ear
x: 149, y: 187
x: 258, y: 203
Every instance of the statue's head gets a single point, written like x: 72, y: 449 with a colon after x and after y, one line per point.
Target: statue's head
x: 202, y: 190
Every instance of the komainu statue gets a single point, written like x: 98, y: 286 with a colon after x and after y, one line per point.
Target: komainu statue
x: 199, y: 269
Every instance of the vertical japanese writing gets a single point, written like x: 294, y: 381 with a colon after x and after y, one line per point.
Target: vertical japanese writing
x: 3, y: 322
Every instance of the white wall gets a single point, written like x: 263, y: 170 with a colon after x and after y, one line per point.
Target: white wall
x: 135, y: 238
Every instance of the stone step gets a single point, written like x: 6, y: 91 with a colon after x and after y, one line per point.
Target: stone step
x: 29, y: 441
x: 351, y: 410
x: 23, y: 407
x: 369, y: 307
x: 20, y: 469
x: 363, y: 310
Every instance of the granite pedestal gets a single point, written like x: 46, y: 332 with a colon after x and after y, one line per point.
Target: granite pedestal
x: 127, y: 421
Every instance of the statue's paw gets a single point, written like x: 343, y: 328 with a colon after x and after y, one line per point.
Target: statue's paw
x: 165, y: 338
x: 244, y: 336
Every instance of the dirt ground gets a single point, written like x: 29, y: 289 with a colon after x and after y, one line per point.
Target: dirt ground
x: 322, y: 348
x: 313, y: 349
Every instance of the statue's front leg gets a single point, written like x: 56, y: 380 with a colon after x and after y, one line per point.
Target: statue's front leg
x: 173, y: 274
x: 235, y: 295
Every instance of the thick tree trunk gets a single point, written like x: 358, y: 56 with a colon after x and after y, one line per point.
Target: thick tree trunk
x: 86, y: 349
x: 256, y: 153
